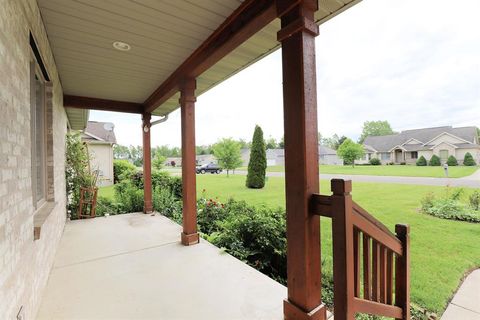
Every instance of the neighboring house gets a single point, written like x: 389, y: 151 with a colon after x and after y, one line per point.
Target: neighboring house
x: 100, y: 138
x: 407, y: 146
x: 275, y: 157
x: 205, y: 159
x: 329, y: 156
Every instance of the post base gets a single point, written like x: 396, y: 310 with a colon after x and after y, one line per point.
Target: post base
x: 292, y: 312
x: 147, y: 207
x: 190, y: 239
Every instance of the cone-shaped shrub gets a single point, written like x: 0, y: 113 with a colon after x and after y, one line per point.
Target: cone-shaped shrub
x: 468, y: 160
x: 452, y: 161
x: 422, y: 162
x: 434, y: 161
x: 258, y: 161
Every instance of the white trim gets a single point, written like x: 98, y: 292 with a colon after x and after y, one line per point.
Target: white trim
x: 451, y: 145
x: 94, y: 136
x: 451, y: 135
x: 397, y: 147
x: 420, y: 142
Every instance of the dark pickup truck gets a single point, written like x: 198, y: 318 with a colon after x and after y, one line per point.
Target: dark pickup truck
x: 211, y: 167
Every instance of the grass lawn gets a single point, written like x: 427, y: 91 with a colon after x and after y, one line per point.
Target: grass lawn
x: 442, y: 250
x: 395, y: 170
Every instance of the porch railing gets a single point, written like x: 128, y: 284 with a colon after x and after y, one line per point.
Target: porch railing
x: 371, y: 265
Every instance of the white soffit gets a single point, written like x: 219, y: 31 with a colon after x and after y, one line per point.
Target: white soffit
x: 162, y: 34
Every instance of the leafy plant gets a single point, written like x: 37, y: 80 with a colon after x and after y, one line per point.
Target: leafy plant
x: 421, y: 162
x: 452, y: 161
x: 434, y: 161
x: 77, y: 169
x: 258, y: 161
x: 468, y: 160
x: 375, y: 162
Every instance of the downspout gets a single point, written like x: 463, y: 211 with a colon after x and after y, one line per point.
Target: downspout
x: 165, y: 118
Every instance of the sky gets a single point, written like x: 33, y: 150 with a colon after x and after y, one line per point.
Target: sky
x: 414, y: 63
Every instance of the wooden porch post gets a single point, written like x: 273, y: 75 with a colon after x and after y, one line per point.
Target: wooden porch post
x: 147, y: 164
x: 187, y: 103
x: 301, y: 159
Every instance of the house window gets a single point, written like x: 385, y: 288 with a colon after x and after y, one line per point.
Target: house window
x: 443, y: 155
x: 385, y: 155
x: 414, y: 155
x: 38, y: 133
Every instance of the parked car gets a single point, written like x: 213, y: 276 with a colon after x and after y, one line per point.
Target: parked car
x: 211, y: 167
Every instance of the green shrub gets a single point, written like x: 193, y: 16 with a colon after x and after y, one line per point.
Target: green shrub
x: 121, y: 169
x: 160, y: 179
x: 474, y: 200
x: 255, y: 235
x: 449, y: 207
x: 129, y: 197
x: 210, y: 213
x: 165, y: 202
x: 421, y: 162
x: 375, y: 162
x: 107, y: 206
x: 452, y: 161
x: 434, y: 161
x: 258, y: 161
x: 468, y: 160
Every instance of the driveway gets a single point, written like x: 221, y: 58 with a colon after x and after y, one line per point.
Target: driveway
x: 472, y: 181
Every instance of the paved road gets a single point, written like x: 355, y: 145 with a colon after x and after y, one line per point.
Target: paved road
x: 472, y: 181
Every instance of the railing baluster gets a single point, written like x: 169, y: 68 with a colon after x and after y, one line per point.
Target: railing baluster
x: 383, y: 274
x: 356, y: 261
x: 367, y: 267
x: 402, y: 271
x: 375, y: 271
x: 389, y: 277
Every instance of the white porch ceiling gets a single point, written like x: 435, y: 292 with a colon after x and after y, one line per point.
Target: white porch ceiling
x: 162, y: 35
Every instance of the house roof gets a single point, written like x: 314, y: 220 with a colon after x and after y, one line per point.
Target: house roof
x: 324, y: 150
x: 162, y: 36
x: 101, y: 131
x: 386, y: 143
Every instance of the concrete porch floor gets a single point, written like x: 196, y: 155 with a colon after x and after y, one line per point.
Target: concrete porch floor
x: 132, y: 266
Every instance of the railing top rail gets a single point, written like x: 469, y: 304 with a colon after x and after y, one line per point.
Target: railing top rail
x: 359, y: 210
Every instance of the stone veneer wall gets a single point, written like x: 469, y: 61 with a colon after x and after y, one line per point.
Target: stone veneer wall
x: 25, y: 263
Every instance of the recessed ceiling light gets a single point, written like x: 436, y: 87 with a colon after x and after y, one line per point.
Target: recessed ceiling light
x: 122, y: 46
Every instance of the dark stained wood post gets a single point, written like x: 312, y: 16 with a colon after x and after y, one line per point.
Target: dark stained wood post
x: 301, y: 159
x: 343, y: 257
x: 147, y: 164
x: 402, y: 265
x: 187, y: 103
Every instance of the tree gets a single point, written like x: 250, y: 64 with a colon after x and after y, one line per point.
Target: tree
x: 434, y: 161
x: 271, y: 143
x: 375, y: 128
x: 281, y: 144
x: 333, y: 142
x: 258, y: 161
x: 421, y: 162
x: 350, y: 151
x: 452, y: 161
x: 468, y: 160
x: 158, y: 161
x: 120, y: 152
x: 227, y: 152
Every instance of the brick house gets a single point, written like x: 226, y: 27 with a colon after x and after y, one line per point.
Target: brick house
x: 59, y: 59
